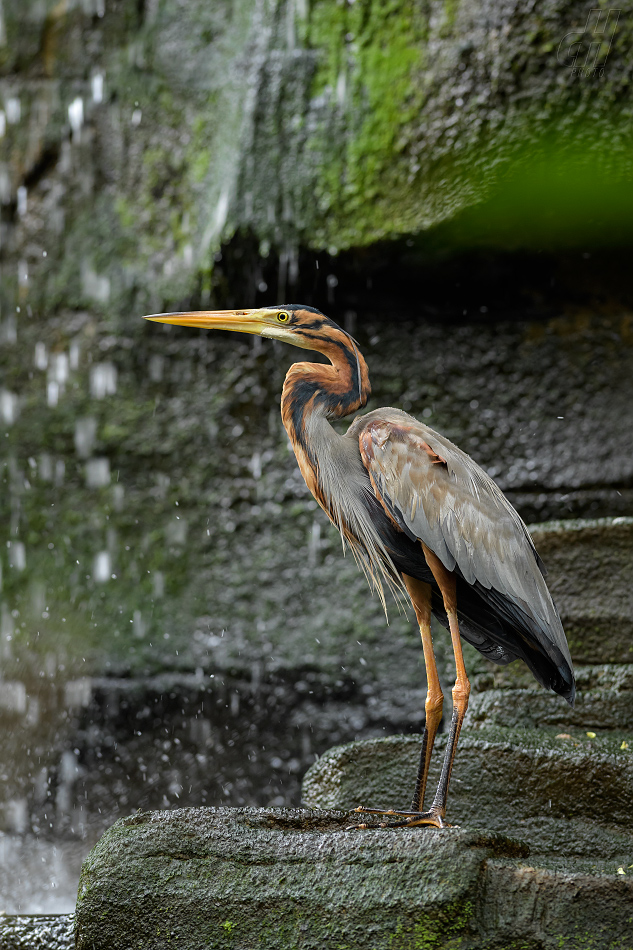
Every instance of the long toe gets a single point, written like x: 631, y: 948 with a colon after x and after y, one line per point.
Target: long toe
x: 410, y: 819
x: 398, y: 812
x: 425, y: 818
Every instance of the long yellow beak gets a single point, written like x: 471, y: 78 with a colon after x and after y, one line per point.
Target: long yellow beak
x: 242, y: 321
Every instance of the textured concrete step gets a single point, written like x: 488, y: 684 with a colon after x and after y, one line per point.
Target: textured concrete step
x: 245, y: 878
x: 590, y: 576
x: 576, y: 793
x: 37, y: 932
x: 535, y: 708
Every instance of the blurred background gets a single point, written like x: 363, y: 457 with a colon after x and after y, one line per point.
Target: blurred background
x: 452, y: 183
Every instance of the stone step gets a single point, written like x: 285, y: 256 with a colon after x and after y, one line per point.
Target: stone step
x: 590, y: 576
x: 290, y: 878
x: 536, y: 708
x: 599, y: 676
x: 37, y: 932
x: 570, y: 799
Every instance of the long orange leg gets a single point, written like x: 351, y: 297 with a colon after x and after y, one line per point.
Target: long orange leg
x: 420, y: 594
x: 461, y: 691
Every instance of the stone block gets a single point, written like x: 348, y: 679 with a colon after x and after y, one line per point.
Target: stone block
x: 278, y: 878
x: 535, y: 708
x: 590, y: 576
x: 246, y: 878
x: 518, y: 782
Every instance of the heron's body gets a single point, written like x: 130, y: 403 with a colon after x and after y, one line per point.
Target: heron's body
x: 419, y: 515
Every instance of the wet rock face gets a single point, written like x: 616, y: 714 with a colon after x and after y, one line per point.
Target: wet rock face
x: 145, y: 136
x: 595, y: 709
x: 152, y: 520
x: 37, y: 933
x: 274, y: 878
x: 566, y: 799
x: 151, y: 495
x: 527, y: 783
x: 292, y: 878
x: 240, y: 588
x: 591, y: 570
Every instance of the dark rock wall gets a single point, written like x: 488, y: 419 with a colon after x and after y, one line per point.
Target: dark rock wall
x: 290, y: 878
x: 154, y: 513
x: 146, y: 133
x: 152, y: 519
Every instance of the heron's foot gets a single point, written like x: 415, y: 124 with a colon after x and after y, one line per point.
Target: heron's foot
x: 410, y: 819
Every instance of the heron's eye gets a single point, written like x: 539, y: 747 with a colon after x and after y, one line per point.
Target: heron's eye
x: 283, y: 317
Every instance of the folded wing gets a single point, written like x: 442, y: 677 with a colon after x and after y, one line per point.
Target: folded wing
x: 436, y: 494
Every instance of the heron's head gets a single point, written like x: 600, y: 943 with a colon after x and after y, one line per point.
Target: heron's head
x: 293, y: 323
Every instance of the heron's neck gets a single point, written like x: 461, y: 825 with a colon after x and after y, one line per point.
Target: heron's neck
x: 315, y: 393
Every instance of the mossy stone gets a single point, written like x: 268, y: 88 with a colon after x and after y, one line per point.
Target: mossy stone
x: 276, y: 878
x: 590, y: 576
x: 288, y: 879
x: 521, y: 782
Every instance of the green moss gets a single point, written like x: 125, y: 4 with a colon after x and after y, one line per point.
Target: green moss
x: 368, y: 56
x: 446, y: 931
x: 449, y: 18
x: 366, y: 114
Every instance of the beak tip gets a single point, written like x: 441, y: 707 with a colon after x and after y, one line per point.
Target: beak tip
x: 210, y: 319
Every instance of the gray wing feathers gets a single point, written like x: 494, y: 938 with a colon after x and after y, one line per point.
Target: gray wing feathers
x: 441, y: 497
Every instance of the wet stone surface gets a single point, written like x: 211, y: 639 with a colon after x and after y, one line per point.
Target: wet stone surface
x: 37, y: 933
x: 525, y: 783
x: 152, y: 520
x: 590, y: 576
x: 596, y: 709
x: 145, y: 161
x: 81, y: 753
x: 280, y: 878
x: 273, y: 878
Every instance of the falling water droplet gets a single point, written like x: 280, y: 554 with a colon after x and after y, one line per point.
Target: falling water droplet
x: 22, y: 200
x: 103, y: 380
x: 13, y: 110
x: 74, y: 355
x: 256, y: 465
x: 97, y: 87
x: 314, y: 543
x: 41, y: 356
x: 101, y: 568
x: 8, y: 406
x: 85, y: 434
x: 52, y: 393
x: 98, y: 472
x: 76, y: 116
x: 18, y: 556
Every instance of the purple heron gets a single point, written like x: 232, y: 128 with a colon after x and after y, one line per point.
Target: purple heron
x: 420, y: 517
